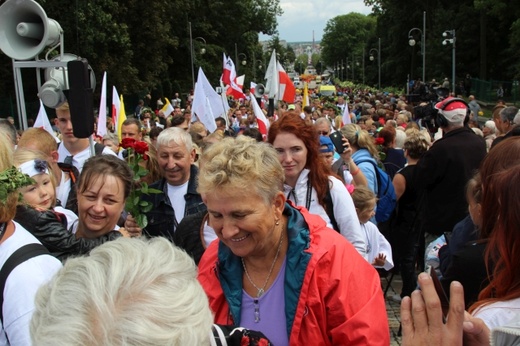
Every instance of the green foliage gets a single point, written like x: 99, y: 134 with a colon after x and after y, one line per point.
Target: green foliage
x: 11, y: 180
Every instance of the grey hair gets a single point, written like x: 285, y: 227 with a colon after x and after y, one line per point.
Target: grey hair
x: 508, y: 114
x: 127, y: 292
x: 111, y: 137
x: 176, y: 135
x: 490, y: 124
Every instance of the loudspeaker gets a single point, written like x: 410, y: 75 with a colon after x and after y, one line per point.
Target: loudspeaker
x: 25, y: 29
x: 57, y: 80
x: 441, y: 120
x: 259, y: 90
x: 80, y: 97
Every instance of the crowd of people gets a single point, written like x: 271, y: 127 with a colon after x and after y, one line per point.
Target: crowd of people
x: 282, y: 235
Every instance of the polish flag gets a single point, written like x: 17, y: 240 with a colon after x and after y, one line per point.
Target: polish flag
x: 42, y: 120
x: 229, y: 76
x: 252, y: 87
x: 287, y: 91
x: 116, y: 105
x: 261, y: 119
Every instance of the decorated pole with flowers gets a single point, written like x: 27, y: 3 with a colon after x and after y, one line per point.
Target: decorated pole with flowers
x: 136, y: 154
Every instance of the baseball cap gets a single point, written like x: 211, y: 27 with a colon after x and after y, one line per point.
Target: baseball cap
x: 326, y: 141
x: 454, y: 111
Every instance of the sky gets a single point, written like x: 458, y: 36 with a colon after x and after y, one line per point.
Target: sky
x: 301, y: 17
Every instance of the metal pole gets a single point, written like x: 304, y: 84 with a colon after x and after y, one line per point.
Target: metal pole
x: 453, y: 59
x: 363, y: 65
x: 191, y: 54
x: 379, y: 62
x: 20, y: 97
x: 424, y: 48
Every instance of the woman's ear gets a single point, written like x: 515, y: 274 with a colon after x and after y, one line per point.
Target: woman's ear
x: 279, y: 203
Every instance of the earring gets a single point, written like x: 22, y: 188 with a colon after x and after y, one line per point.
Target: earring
x: 277, y: 222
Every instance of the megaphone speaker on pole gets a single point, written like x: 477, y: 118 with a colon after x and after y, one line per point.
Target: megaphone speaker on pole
x: 25, y: 29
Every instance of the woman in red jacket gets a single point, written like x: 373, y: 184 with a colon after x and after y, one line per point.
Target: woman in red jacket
x: 276, y: 268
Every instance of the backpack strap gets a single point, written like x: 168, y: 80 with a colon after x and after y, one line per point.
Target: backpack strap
x: 330, y: 210
x: 21, y: 255
x: 379, y: 192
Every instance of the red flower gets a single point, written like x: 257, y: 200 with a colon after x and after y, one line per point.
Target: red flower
x: 141, y: 147
x: 127, y: 143
x: 380, y: 141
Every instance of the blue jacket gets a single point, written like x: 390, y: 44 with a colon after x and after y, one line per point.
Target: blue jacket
x: 161, y: 220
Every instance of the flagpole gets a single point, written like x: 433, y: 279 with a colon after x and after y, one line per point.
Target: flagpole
x: 191, y: 55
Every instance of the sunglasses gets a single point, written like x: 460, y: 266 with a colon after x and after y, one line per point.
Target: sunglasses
x: 324, y: 133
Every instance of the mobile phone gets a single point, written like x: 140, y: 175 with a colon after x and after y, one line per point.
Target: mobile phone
x: 445, y: 303
x: 337, y: 140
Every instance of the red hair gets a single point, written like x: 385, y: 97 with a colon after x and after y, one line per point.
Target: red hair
x: 291, y: 122
x: 388, y: 134
x: 503, y: 249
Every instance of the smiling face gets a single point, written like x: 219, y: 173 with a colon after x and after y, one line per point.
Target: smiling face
x: 175, y: 161
x: 292, y: 154
x: 100, y: 206
x: 40, y: 195
x: 244, y: 222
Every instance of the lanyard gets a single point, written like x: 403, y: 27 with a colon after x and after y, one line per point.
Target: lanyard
x: 307, y: 198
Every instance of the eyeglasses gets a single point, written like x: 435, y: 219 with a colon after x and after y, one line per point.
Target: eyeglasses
x: 324, y: 133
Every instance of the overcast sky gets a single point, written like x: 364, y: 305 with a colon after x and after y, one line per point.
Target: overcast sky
x: 301, y: 17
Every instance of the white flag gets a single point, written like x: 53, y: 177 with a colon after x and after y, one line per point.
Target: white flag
x: 346, y: 115
x: 272, y: 77
x: 42, y: 120
x: 102, y: 116
x: 207, y: 103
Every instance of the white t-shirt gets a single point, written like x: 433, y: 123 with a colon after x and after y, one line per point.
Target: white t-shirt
x: 376, y: 244
x: 79, y: 159
x: 63, y: 190
x: 176, y: 195
x: 499, y: 313
x: 21, y: 286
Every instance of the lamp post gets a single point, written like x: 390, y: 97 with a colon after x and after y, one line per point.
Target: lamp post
x: 191, y: 56
x: 452, y: 40
x: 260, y: 65
x: 411, y: 42
x: 378, y: 50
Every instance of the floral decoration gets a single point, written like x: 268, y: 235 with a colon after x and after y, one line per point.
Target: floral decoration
x: 136, y: 153
x: 379, y: 141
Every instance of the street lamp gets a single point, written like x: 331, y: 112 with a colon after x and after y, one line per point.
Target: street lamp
x: 203, y: 49
x: 378, y: 50
x: 411, y: 42
x: 244, y: 61
x: 452, y: 40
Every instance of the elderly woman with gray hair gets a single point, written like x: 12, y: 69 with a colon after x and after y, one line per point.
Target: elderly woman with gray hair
x: 127, y: 292
x: 276, y: 268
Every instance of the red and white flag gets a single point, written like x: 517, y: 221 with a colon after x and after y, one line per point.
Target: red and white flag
x: 229, y: 76
x: 252, y: 87
x: 42, y: 120
x: 287, y: 91
x: 116, y: 106
x: 261, y: 119
x: 102, y: 117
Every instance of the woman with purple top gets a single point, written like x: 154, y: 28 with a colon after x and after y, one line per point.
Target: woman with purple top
x: 277, y: 268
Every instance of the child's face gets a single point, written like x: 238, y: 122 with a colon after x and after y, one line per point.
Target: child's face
x: 474, y: 210
x: 111, y: 145
x: 40, y: 195
x: 366, y: 214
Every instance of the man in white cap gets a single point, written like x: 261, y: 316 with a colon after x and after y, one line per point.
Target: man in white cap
x: 442, y: 173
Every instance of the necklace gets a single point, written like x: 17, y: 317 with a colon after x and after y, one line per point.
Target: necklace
x: 261, y: 290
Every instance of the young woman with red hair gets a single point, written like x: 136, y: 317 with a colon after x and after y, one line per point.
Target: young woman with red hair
x: 309, y: 183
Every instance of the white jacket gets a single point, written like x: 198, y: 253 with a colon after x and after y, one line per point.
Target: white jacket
x: 343, y: 208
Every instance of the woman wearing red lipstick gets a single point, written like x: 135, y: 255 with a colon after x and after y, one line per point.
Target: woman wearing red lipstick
x: 309, y: 183
x: 277, y: 268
